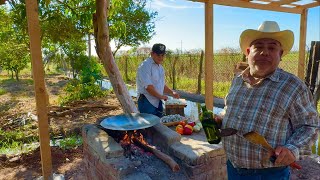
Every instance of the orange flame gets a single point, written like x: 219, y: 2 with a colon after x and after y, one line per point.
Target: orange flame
x: 127, y: 139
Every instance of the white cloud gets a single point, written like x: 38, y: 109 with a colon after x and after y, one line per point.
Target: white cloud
x: 173, y: 4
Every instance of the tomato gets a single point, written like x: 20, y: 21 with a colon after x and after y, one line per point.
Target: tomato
x: 182, y: 123
x: 179, y: 129
x: 192, y: 124
x: 187, y: 129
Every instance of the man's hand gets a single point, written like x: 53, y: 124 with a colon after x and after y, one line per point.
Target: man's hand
x: 284, y: 156
x: 164, y: 97
x: 175, y: 95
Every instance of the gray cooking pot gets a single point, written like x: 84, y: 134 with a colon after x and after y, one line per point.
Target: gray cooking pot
x: 133, y: 121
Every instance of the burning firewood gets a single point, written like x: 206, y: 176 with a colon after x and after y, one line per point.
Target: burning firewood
x: 167, y: 159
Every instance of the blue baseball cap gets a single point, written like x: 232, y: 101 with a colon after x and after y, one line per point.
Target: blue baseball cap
x: 159, y: 48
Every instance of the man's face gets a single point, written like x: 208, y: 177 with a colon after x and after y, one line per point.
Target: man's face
x: 264, y: 56
x: 158, y: 58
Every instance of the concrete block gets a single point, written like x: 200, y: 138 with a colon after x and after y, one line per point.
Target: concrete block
x: 101, y: 142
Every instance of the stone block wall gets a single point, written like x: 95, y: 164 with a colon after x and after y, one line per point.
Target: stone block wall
x: 104, y: 157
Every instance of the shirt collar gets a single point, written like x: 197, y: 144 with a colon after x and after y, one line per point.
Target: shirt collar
x: 275, y: 76
x: 152, y: 61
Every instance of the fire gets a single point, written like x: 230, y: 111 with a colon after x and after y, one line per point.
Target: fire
x: 130, y: 135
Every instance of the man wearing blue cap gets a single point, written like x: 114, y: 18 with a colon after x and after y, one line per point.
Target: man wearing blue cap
x: 151, y: 84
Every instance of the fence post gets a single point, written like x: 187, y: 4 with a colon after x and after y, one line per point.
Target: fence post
x: 200, y: 73
x: 315, y: 67
x: 309, y: 66
x: 174, y: 84
x: 316, y: 58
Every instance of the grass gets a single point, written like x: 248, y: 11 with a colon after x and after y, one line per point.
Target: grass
x: 16, y: 141
x: 2, y: 91
x: 69, y: 142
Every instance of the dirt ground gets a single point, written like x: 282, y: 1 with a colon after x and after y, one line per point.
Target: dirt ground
x: 19, y: 104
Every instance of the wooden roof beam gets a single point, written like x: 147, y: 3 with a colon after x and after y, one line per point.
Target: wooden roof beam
x: 245, y: 4
x: 252, y: 5
x: 310, y: 5
x: 283, y: 2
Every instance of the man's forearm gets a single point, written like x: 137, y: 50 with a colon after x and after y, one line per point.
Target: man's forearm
x: 151, y: 90
x: 304, y: 136
x: 167, y: 90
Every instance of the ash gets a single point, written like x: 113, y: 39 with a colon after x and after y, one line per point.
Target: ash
x: 150, y: 167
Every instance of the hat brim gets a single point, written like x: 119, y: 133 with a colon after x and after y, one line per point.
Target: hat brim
x: 286, y: 39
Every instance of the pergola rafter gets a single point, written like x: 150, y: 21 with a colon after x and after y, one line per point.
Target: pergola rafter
x: 289, y: 6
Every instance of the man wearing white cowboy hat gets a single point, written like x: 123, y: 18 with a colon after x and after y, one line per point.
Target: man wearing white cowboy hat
x: 274, y: 103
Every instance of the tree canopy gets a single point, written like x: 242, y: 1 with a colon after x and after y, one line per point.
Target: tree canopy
x: 65, y: 24
x: 14, y: 54
x: 130, y: 23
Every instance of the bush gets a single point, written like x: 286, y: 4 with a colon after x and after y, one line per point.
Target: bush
x: 85, y: 87
x: 75, y: 90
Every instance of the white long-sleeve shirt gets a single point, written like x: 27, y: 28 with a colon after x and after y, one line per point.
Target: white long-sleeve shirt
x: 150, y: 73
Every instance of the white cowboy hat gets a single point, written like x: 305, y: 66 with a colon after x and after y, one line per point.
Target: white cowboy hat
x: 268, y: 29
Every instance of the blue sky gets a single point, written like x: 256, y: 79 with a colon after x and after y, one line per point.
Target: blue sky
x: 180, y: 24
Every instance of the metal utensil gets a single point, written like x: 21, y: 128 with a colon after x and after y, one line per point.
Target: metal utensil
x: 227, y: 132
x: 256, y: 138
x: 133, y: 121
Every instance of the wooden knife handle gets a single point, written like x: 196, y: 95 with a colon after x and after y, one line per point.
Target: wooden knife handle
x: 295, y: 165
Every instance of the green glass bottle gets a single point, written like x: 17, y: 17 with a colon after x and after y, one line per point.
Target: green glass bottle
x: 210, y: 126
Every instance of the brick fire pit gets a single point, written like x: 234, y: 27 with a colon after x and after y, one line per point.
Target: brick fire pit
x: 104, y: 157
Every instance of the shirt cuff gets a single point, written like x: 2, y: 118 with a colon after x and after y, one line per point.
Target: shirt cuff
x: 294, y: 150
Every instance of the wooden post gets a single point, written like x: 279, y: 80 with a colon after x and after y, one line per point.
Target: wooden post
x: 209, y: 55
x: 302, y: 43
x: 39, y: 87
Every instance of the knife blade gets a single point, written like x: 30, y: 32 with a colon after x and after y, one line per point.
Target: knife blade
x: 227, y: 132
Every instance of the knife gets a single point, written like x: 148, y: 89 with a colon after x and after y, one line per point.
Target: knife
x: 256, y: 138
x: 227, y: 132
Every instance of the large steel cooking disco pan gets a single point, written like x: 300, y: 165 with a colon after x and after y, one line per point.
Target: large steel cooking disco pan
x: 133, y: 121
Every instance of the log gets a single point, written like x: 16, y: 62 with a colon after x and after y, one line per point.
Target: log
x: 165, y: 158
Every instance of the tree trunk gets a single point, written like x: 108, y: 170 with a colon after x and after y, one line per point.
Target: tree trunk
x: 72, y: 66
x: 89, y: 46
x: 126, y: 68
x: 101, y: 33
x: 17, y: 75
